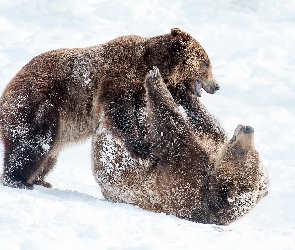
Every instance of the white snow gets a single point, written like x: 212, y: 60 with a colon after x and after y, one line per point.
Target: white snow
x: 251, y: 46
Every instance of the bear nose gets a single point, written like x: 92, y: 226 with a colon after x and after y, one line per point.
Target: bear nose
x: 217, y: 87
x: 248, y: 129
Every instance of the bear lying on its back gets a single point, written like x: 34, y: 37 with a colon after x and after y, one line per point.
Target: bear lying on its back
x: 182, y: 175
x: 55, y: 99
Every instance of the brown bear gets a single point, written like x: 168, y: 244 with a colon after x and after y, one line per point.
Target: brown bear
x: 182, y: 175
x: 55, y: 99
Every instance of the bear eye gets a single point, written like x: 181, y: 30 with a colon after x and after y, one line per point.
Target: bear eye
x: 242, y: 153
x: 206, y: 65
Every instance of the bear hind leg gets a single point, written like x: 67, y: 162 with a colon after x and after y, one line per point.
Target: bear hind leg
x: 27, y: 148
x: 26, y: 162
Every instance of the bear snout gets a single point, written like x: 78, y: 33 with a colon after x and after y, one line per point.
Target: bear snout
x: 210, y: 86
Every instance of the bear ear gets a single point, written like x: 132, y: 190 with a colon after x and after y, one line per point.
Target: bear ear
x: 179, y: 43
x: 176, y: 31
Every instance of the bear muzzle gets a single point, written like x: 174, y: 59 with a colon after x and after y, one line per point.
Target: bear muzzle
x: 243, y: 129
x: 209, y: 86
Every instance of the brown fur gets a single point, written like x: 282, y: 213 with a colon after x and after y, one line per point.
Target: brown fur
x: 57, y: 97
x: 182, y: 175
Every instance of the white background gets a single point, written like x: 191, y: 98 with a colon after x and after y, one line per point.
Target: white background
x: 251, y: 44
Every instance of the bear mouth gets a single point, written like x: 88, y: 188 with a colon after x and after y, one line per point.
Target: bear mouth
x: 198, y: 88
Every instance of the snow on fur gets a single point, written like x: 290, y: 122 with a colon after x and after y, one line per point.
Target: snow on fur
x: 251, y: 46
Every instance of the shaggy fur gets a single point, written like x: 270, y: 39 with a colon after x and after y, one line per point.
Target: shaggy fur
x: 182, y: 175
x: 57, y: 98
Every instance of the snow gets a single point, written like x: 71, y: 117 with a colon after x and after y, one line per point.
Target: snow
x: 251, y: 46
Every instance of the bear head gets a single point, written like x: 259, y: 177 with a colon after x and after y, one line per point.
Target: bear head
x: 239, y: 180
x: 184, y: 60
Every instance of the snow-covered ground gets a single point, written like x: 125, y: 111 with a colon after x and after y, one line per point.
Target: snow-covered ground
x: 251, y: 44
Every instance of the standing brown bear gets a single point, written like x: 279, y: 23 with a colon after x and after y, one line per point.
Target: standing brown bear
x: 56, y: 98
x: 189, y: 173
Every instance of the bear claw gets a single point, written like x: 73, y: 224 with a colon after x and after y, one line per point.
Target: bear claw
x: 154, y: 72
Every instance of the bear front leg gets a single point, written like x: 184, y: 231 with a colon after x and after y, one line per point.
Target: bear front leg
x: 161, y: 105
x: 125, y: 120
x: 199, y: 117
x: 169, y: 134
x: 124, y: 113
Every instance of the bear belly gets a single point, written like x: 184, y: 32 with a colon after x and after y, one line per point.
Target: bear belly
x: 121, y: 177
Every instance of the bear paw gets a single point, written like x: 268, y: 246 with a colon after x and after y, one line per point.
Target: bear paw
x: 15, y: 181
x: 42, y: 183
x: 153, y: 75
x: 154, y: 72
